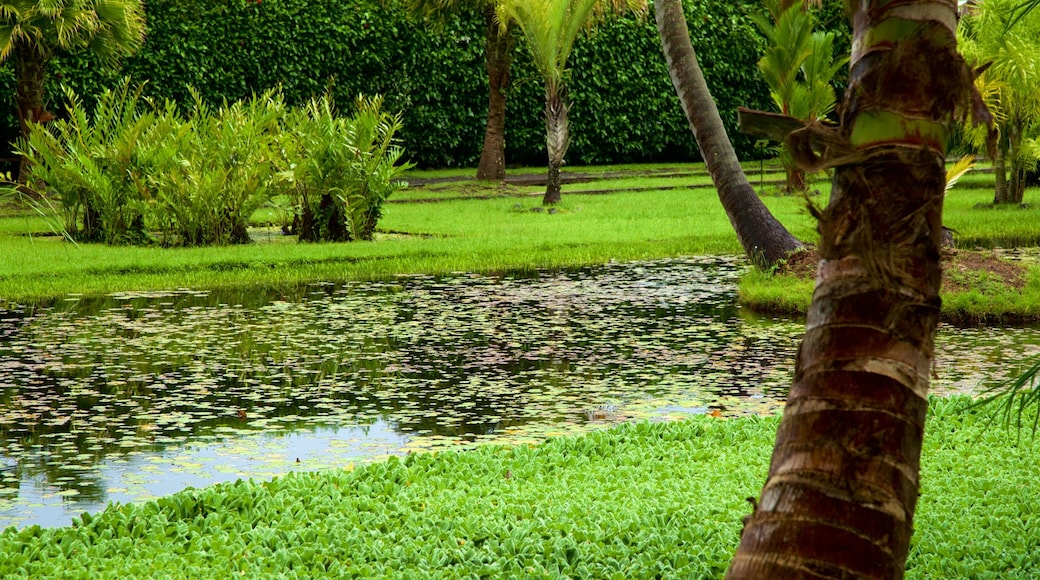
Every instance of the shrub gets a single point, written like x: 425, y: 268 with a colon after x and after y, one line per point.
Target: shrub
x: 221, y: 173
x: 93, y: 167
x: 198, y: 178
x: 340, y: 171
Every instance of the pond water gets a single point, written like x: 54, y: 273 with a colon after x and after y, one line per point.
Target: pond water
x: 140, y: 395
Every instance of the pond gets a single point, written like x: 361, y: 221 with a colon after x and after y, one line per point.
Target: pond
x: 139, y: 395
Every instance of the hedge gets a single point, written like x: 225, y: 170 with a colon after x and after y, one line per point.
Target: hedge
x: 624, y: 108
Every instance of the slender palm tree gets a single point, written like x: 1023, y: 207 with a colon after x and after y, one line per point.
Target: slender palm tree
x: 843, y: 480
x: 550, y: 29
x: 764, y: 239
x: 32, y: 32
x: 498, y: 48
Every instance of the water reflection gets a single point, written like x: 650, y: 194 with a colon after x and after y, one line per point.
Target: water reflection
x: 138, y: 395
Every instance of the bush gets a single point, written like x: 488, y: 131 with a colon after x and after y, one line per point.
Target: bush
x: 93, y: 167
x: 198, y: 179
x: 340, y: 170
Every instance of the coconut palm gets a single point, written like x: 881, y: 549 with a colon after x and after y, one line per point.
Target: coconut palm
x: 843, y: 481
x: 550, y: 28
x: 32, y: 32
x: 764, y: 239
x: 1011, y: 81
x: 498, y: 48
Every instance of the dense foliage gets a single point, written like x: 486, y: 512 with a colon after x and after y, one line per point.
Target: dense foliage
x: 131, y: 167
x: 638, y: 501
x: 624, y: 107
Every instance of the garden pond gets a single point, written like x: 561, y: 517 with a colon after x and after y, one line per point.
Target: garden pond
x: 138, y: 395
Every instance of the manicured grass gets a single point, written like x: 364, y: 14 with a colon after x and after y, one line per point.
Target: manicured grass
x: 638, y: 501
x: 479, y: 235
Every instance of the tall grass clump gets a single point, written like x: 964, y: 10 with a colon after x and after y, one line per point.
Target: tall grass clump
x: 133, y: 169
x: 339, y: 170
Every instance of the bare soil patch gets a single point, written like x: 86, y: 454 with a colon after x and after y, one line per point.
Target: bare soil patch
x: 961, y: 268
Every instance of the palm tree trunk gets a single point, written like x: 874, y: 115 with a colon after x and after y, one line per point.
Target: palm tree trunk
x: 843, y: 481
x: 557, y: 138
x: 30, y: 66
x: 499, y: 49
x: 764, y: 239
x: 1000, y: 190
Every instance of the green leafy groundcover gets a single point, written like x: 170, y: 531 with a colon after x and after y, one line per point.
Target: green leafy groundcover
x: 640, y: 500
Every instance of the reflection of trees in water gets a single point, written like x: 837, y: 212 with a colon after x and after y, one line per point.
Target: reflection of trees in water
x: 456, y: 357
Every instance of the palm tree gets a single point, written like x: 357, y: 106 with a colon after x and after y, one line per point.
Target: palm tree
x: 843, y: 480
x: 798, y: 66
x: 498, y: 48
x: 550, y: 28
x: 32, y: 32
x: 764, y: 239
x: 1011, y: 83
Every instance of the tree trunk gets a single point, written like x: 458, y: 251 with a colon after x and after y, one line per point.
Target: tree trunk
x: 1000, y: 190
x: 557, y: 138
x: 30, y: 67
x: 499, y: 49
x: 795, y: 178
x: 843, y: 480
x: 764, y: 239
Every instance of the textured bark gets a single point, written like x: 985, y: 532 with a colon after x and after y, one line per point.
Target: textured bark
x: 764, y: 239
x: 557, y: 138
x: 843, y: 479
x: 30, y: 66
x: 499, y: 49
x: 1000, y: 190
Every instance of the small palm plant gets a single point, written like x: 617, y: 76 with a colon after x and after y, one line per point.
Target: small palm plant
x: 550, y: 29
x: 798, y: 66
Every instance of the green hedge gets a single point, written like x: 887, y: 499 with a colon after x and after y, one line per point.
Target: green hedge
x: 624, y: 107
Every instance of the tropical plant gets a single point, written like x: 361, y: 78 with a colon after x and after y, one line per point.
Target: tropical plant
x: 94, y: 166
x: 339, y: 170
x: 764, y: 239
x: 550, y: 28
x: 32, y: 32
x: 843, y: 481
x: 1010, y: 83
x: 798, y: 66
x: 221, y: 170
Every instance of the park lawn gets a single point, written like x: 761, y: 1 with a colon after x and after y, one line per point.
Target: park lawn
x: 636, y: 501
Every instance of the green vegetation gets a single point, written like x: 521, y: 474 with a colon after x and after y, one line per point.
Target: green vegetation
x: 132, y: 166
x: 624, y: 109
x: 640, y: 500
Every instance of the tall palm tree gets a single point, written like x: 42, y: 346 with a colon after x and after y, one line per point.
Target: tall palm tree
x: 32, y: 32
x: 764, y: 239
x: 550, y: 28
x: 498, y: 48
x: 843, y: 480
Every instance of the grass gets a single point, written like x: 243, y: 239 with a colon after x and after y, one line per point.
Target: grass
x: 478, y: 235
x: 638, y: 501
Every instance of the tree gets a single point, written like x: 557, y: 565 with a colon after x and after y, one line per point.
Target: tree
x: 843, y: 480
x: 498, y: 48
x: 764, y: 239
x: 1010, y: 82
x: 32, y: 32
x: 550, y: 28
